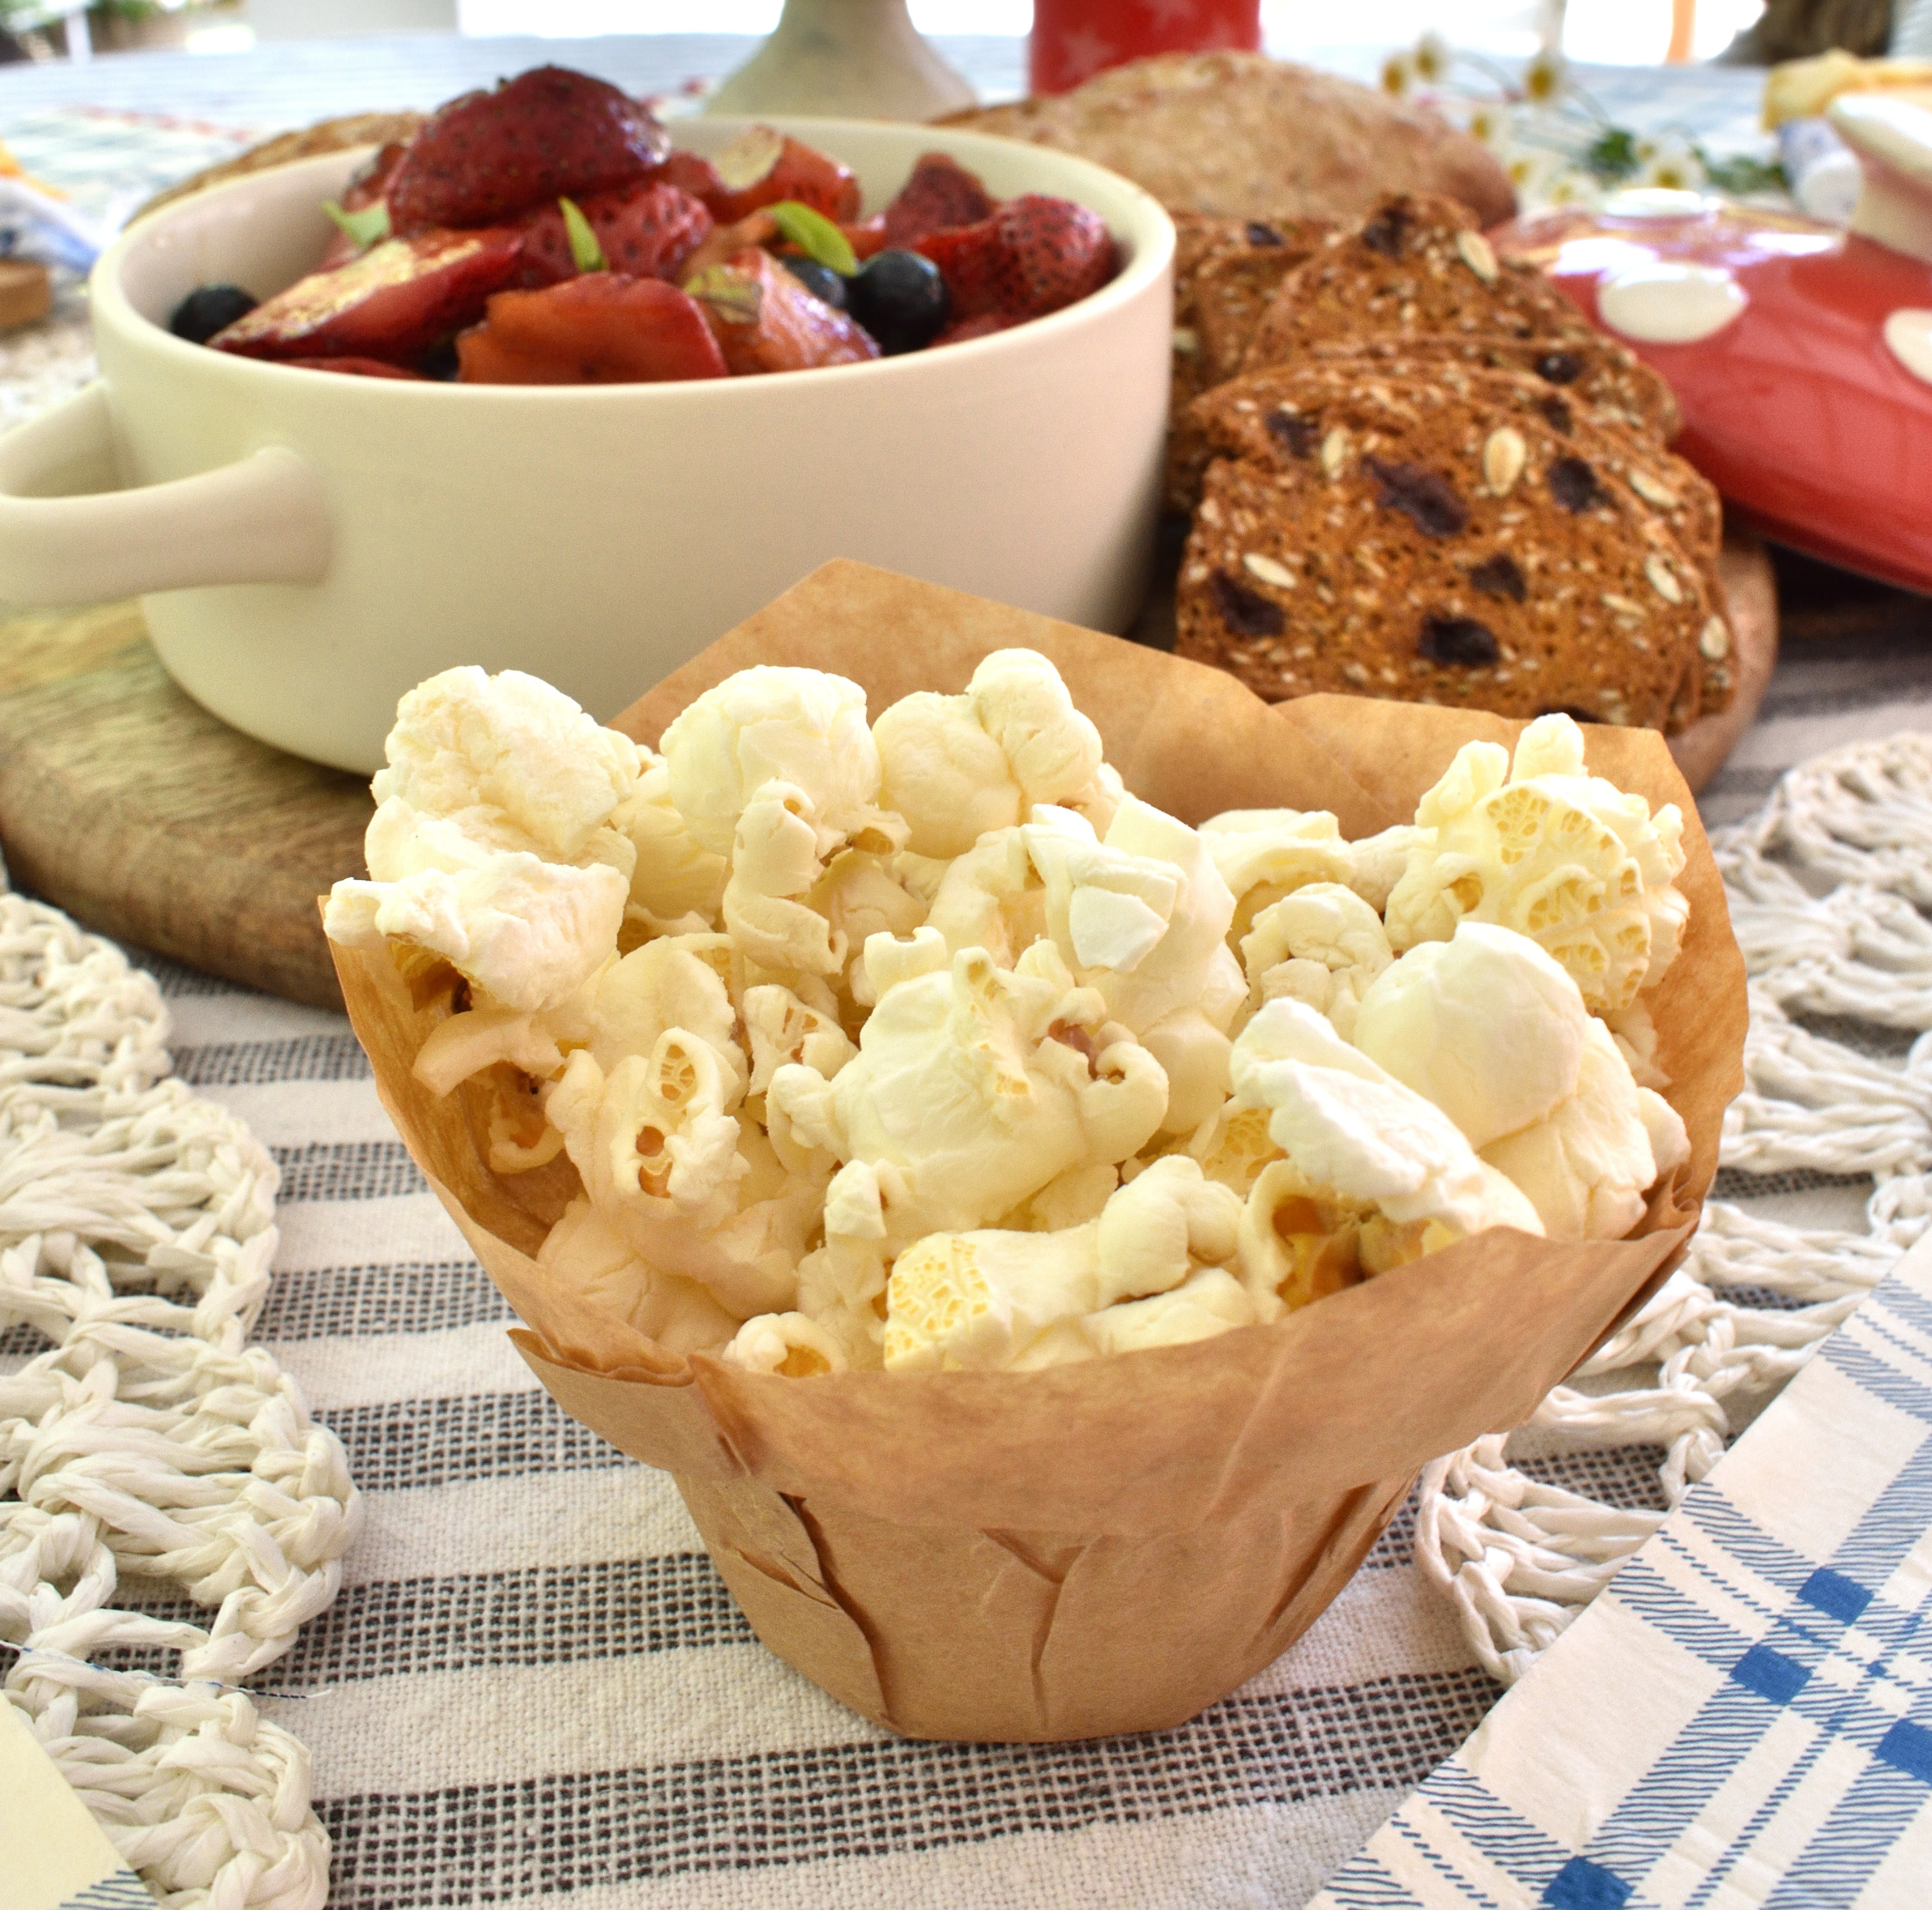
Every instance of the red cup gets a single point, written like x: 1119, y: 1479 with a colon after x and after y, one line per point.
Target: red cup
x: 1075, y: 40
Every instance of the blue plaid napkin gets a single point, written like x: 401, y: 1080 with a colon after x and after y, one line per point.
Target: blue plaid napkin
x: 1745, y: 1717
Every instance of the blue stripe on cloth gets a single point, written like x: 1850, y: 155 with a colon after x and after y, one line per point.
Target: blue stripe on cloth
x: 1727, y: 1727
x: 1838, y: 1859
x: 1899, y: 1518
x: 1863, y: 1367
x: 1915, y: 1310
x: 120, y: 1891
x: 1666, y: 1608
x: 1505, y: 1837
x: 1712, y: 1512
x: 1833, y: 1594
x: 1774, y: 1673
x: 1907, y: 1747
x: 1771, y: 1674
x: 1581, y: 1885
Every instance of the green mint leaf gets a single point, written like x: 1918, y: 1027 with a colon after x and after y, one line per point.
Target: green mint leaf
x: 735, y: 296
x: 815, y: 234
x: 585, y: 253
x: 365, y: 228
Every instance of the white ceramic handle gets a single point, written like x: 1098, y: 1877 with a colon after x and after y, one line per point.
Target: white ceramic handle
x: 263, y: 519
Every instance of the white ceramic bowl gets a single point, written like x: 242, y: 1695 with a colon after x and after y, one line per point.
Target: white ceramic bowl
x: 309, y: 546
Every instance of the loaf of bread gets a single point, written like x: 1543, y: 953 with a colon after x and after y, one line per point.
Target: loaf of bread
x: 1242, y: 136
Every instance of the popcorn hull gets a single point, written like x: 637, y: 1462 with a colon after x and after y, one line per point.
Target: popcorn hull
x: 1111, y: 1546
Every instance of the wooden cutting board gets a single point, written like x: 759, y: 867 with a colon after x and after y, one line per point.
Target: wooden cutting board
x: 128, y: 805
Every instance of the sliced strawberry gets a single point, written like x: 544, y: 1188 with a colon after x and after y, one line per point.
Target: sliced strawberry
x: 972, y: 259
x: 393, y: 303
x: 727, y: 241
x: 548, y: 134
x: 361, y: 192
x: 764, y: 319
x: 599, y: 328
x: 689, y: 172
x: 1034, y: 255
x: 356, y: 367
x: 940, y: 193
x: 866, y: 236
x: 646, y: 231
x: 791, y: 170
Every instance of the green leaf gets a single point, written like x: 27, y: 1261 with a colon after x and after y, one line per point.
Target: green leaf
x: 734, y: 295
x: 1613, y: 154
x: 1742, y: 173
x: 585, y: 253
x: 365, y: 228
x: 815, y: 235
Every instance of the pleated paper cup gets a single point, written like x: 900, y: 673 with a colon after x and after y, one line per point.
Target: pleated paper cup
x: 1107, y: 1547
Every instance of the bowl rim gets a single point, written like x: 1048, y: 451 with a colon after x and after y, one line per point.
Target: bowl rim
x: 1147, y: 228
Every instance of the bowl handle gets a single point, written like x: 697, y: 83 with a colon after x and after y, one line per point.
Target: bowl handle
x: 263, y: 519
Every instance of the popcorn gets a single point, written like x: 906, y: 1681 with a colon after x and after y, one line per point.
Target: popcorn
x: 793, y: 1344
x: 1556, y: 854
x: 782, y: 1029
x: 955, y: 767
x: 667, y: 1169
x: 1588, y: 1164
x: 585, y: 1254
x: 1299, y: 1242
x: 1496, y: 1034
x: 1487, y: 1026
x: 1322, y: 944
x: 529, y: 933
x: 992, y: 898
x: 776, y: 769
x: 514, y: 764
x: 673, y: 874
x: 997, y: 1298
x: 925, y: 1046
x: 1142, y: 917
x: 491, y: 843
x: 1355, y: 1131
x: 1263, y: 854
x: 973, y: 1087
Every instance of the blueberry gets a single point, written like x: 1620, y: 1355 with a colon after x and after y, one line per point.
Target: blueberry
x: 900, y: 298
x: 821, y: 281
x: 210, y: 309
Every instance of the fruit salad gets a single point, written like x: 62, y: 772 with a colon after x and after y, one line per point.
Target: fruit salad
x: 548, y: 233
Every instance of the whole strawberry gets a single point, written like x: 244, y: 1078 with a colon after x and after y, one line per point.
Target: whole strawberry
x: 547, y: 134
x: 1034, y: 255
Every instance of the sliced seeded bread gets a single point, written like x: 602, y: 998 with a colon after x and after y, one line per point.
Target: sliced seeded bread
x: 1233, y: 291
x: 1403, y: 540
x: 1596, y: 371
x: 1254, y: 415
x: 1417, y: 265
x: 1224, y: 271
x: 1198, y: 242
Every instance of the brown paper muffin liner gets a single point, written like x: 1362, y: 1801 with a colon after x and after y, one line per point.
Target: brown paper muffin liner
x: 1107, y: 1547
